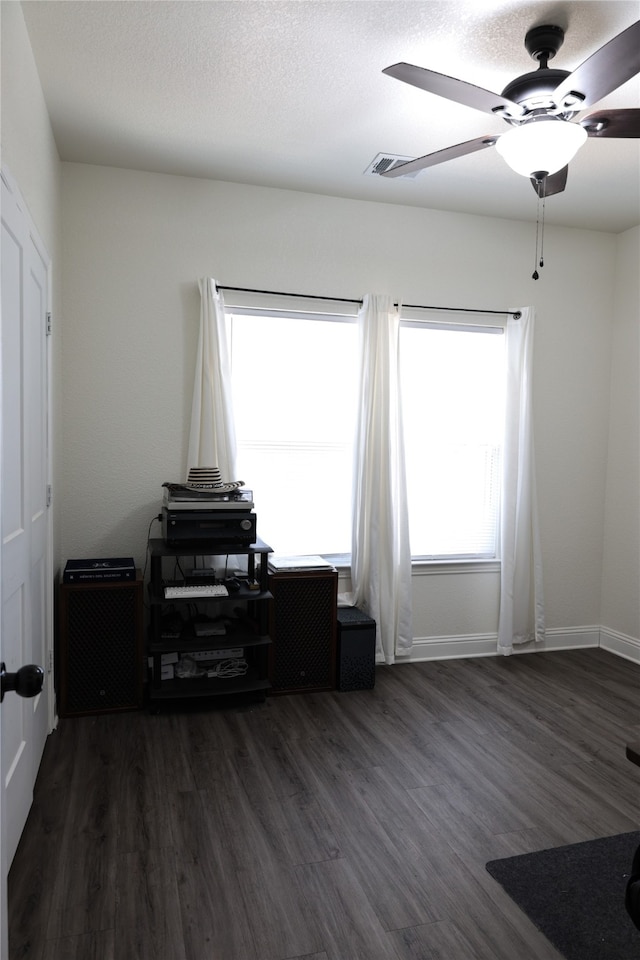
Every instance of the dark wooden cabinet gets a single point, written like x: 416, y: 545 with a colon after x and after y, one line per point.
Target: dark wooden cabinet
x: 302, y: 626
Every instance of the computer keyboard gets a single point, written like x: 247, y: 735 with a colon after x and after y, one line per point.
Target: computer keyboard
x: 195, y: 591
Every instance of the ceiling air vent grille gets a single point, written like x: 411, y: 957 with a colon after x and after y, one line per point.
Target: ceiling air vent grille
x: 384, y: 161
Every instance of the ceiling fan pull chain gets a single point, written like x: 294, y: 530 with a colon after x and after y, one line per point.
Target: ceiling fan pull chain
x: 535, y: 275
x: 542, y: 195
x: 544, y: 203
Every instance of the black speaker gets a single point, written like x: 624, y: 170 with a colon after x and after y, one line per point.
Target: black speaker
x: 99, y: 655
x: 302, y: 627
x: 356, y: 650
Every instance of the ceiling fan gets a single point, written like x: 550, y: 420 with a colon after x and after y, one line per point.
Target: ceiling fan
x: 539, y: 106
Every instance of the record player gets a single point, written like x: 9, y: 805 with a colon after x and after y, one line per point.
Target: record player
x: 180, y: 496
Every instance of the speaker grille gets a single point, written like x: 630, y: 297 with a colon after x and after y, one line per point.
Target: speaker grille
x: 356, y: 650
x: 100, y: 655
x: 356, y: 670
x: 303, y: 630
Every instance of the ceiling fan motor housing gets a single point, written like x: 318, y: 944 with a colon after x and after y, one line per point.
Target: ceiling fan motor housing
x: 535, y: 90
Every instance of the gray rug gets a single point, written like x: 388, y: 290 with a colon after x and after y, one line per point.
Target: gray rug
x: 575, y: 896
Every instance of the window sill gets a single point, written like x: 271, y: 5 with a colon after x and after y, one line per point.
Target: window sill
x: 428, y: 568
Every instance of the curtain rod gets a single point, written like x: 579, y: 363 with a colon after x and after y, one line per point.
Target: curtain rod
x: 510, y: 313
x: 279, y: 293
x: 409, y: 306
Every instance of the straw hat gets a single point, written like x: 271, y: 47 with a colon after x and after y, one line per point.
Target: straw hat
x: 208, y: 478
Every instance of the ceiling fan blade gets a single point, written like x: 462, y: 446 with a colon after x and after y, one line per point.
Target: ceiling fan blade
x: 440, y: 156
x: 604, y: 71
x: 553, y: 183
x: 613, y: 123
x: 452, y: 89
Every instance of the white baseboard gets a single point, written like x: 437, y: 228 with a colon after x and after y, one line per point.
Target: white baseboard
x: 620, y: 644
x: 485, y: 644
x: 451, y: 648
x: 568, y: 638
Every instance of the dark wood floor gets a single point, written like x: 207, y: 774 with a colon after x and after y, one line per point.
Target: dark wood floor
x: 333, y: 826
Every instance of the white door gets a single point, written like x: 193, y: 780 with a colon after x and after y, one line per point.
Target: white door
x: 26, y: 623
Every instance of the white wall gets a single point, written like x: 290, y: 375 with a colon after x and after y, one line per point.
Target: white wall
x: 29, y: 154
x: 134, y: 246
x: 28, y: 147
x: 621, y: 572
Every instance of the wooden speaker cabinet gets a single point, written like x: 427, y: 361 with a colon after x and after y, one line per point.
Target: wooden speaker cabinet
x: 100, y: 654
x: 302, y: 627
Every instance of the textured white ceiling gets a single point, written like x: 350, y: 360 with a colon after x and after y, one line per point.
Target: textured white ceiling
x: 290, y: 94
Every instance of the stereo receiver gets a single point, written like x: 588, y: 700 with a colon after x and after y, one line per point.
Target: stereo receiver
x: 219, y: 526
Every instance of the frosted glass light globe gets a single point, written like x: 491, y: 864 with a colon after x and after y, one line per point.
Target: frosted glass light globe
x: 541, y: 146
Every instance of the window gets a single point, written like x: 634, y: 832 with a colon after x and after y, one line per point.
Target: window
x: 453, y: 410
x: 295, y: 437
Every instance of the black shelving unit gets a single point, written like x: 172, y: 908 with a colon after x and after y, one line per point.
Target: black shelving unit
x: 173, y: 622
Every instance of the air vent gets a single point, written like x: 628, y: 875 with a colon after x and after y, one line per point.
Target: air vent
x: 384, y: 161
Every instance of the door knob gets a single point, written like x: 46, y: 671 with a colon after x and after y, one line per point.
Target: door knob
x: 27, y: 681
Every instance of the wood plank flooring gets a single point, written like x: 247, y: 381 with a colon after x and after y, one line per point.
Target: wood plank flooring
x: 331, y: 826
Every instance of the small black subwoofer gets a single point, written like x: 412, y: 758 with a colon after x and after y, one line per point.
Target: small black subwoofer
x: 356, y: 650
x: 100, y: 657
x: 303, y: 630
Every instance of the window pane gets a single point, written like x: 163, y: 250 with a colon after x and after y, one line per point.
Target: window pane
x: 294, y: 401
x: 453, y: 402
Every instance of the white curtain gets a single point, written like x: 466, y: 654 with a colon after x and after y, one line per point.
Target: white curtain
x: 381, y: 554
x: 521, y: 598
x: 212, y: 439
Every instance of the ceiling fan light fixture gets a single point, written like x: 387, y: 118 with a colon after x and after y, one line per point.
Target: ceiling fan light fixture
x: 545, y: 144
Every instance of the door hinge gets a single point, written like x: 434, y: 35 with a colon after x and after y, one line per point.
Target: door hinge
x: 48, y: 325
x: 50, y: 664
x: 49, y: 494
